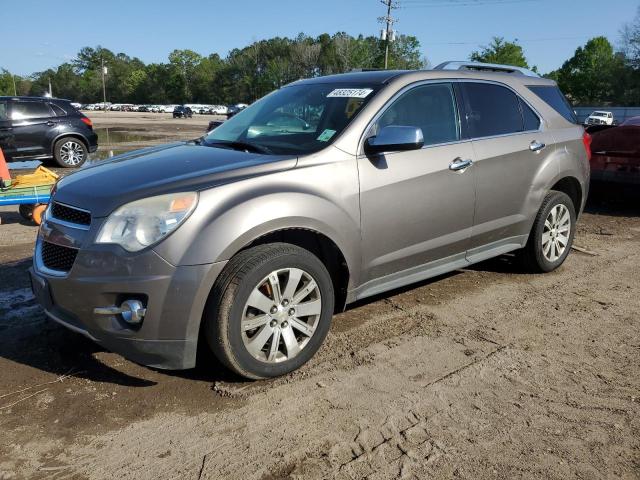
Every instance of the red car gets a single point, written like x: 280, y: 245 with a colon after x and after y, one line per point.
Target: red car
x: 616, y: 153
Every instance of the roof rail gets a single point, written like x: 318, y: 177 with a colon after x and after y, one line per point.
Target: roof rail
x: 488, y: 67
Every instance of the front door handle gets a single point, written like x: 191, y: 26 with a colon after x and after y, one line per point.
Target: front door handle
x: 460, y: 165
x: 536, y: 146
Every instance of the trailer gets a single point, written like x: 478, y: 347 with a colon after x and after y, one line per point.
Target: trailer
x: 31, y: 192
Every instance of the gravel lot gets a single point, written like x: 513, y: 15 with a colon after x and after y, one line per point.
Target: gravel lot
x: 481, y: 373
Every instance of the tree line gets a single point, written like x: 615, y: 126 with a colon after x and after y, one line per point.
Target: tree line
x: 243, y: 76
x: 597, y: 74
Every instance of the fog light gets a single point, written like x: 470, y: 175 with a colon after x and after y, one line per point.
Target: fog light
x: 132, y: 311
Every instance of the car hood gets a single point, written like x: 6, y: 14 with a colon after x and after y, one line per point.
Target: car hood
x: 158, y: 170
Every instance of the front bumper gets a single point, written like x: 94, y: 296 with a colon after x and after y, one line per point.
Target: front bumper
x: 102, y: 276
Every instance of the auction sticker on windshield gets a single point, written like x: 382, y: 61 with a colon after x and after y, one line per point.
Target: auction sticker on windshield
x: 350, y: 93
x: 326, y: 135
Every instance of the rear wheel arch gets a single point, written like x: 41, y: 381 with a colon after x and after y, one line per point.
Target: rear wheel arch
x: 77, y: 136
x: 570, y: 186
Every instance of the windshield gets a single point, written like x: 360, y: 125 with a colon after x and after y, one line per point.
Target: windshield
x: 598, y: 114
x: 298, y: 120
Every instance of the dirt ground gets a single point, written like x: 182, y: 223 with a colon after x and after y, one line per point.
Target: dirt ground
x: 481, y: 373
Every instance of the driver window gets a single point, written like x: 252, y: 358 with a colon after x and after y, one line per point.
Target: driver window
x: 431, y: 108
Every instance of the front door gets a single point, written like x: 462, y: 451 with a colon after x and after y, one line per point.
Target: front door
x: 416, y: 210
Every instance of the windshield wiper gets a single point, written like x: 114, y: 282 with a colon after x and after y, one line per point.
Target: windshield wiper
x: 241, y: 146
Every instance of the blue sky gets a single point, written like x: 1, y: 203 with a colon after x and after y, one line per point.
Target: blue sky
x: 39, y: 34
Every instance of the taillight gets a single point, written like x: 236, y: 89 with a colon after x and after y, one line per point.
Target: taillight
x: 87, y: 121
x: 586, y: 140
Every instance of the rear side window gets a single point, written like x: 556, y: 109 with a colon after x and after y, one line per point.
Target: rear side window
x: 432, y: 108
x: 4, y: 114
x: 59, y: 111
x: 491, y: 110
x: 24, y: 110
x: 553, y: 97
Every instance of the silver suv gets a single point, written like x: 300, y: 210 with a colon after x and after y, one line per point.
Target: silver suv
x: 324, y: 192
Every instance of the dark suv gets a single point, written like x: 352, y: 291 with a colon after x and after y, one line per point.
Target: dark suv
x: 182, y: 112
x: 38, y: 128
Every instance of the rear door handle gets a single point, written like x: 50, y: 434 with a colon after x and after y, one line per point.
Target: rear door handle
x: 536, y: 146
x: 50, y: 123
x: 460, y: 165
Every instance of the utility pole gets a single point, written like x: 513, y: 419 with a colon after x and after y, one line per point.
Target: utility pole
x: 103, y: 69
x: 388, y: 35
x: 15, y: 91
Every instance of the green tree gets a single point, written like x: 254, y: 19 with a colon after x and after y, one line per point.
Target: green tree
x: 591, y: 76
x: 501, y: 51
x: 631, y: 41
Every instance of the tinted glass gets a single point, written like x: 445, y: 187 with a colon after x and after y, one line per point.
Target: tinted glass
x: 431, y: 108
x: 298, y: 119
x: 556, y: 100
x: 3, y: 111
x: 22, y: 110
x: 58, y: 110
x: 531, y: 120
x: 492, y: 110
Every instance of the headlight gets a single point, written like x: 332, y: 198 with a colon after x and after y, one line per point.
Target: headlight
x: 142, y: 223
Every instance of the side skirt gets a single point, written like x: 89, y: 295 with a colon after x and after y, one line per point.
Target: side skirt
x: 435, y: 268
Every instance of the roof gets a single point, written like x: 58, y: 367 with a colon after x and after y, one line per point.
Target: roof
x: 381, y: 77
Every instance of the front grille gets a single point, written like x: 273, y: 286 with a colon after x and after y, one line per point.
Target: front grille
x: 58, y: 258
x: 70, y: 214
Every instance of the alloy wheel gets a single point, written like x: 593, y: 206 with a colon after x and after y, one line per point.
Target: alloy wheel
x: 281, y: 315
x: 556, y: 233
x: 72, y: 153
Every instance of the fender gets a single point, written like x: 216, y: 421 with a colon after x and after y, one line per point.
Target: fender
x: 230, y: 217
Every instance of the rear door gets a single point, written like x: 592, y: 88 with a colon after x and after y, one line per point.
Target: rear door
x: 510, y: 147
x: 31, y: 122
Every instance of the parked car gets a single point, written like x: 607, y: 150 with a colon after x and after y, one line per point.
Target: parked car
x: 252, y: 244
x: 616, y: 154
x: 214, y: 124
x: 219, y: 110
x: 182, y: 112
x: 599, y: 118
x: 36, y: 128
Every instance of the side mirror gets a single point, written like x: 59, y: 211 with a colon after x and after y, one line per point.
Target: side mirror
x: 395, y: 138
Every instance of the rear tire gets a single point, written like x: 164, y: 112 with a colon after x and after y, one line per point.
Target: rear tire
x: 269, y: 311
x: 552, y: 234
x: 70, y: 152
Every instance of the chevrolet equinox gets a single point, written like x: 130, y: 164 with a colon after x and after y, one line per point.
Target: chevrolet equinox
x: 324, y: 192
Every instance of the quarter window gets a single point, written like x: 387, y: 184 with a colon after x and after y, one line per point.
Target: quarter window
x: 58, y: 110
x: 431, y: 108
x: 3, y: 111
x: 555, y: 99
x: 492, y: 110
x: 24, y: 110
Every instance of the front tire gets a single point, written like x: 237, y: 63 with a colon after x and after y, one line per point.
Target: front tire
x: 269, y: 311
x: 552, y: 234
x: 69, y: 152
